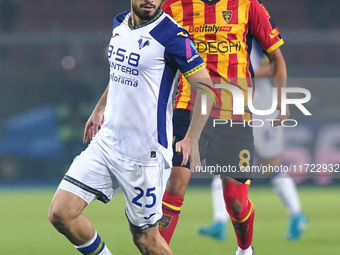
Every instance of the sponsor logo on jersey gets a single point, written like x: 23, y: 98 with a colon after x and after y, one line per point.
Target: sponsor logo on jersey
x: 216, y: 47
x: 209, y: 28
x: 183, y: 34
x: 227, y: 15
x: 124, y: 80
x: 123, y: 68
x: 143, y: 44
x: 193, y: 14
x: 192, y: 58
x: 275, y: 32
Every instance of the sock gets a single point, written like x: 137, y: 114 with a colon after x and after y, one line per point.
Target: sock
x: 243, y: 222
x: 94, y: 247
x: 248, y: 251
x: 220, y: 213
x: 285, y: 187
x: 171, y: 205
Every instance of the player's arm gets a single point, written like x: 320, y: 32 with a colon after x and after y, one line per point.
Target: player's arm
x: 189, y: 145
x: 268, y: 35
x: 263, y: 70
x: 96, y: 119
x: 279, y: 75
x: 180, y: 51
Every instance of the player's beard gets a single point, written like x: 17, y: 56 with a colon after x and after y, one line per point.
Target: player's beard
x: 145, y: 15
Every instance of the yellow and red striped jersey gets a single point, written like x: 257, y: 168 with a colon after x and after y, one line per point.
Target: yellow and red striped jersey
x: 223, y: 31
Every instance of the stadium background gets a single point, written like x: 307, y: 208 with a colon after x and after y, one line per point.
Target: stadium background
x: 53, y: 69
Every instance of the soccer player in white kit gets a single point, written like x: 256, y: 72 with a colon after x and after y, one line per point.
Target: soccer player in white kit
x: 131, y: 131
x: 269, y: 145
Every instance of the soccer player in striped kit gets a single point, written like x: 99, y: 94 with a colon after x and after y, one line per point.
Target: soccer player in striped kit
x: 269, y: 145
x: 223, y: 31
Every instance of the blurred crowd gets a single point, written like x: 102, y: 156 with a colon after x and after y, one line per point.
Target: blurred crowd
x: 77, y: 15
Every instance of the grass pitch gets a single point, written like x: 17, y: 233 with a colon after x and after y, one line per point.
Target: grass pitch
x: 24, y: 228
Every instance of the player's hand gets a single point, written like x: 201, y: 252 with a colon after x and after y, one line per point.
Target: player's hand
x: 189, y: 150
x: 92, y: 126
x: 183, y: 147
x: 195, y: 159
x: 279, y: 118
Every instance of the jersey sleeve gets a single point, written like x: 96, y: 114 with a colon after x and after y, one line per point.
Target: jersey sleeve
x: 181, y: 52
x: 263, y: 28
x: 119, y: 19
x: 179, y: 49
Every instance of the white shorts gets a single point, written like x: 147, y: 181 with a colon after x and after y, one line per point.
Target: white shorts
x: 268, y: 140
x: 96, y: 174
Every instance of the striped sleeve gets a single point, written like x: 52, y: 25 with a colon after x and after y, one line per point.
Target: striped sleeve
x: 263, y: 27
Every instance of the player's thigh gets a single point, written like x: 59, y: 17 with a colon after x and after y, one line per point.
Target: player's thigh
x: 143, y: 188
x: 231, y: 151
x: 66, y: 205
x: 89, y: 177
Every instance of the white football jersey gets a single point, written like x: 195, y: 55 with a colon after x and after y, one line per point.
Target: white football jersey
x: 144, y: 61
x: 268, y: 141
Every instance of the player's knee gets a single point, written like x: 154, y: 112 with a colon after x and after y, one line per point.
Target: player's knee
x: 54, y: 217
x: 233, y: 205
x: 57, y: 218
x: 236, y: 207
x: 178, y: 181
x: 143, y: 242
x: 235, y: 197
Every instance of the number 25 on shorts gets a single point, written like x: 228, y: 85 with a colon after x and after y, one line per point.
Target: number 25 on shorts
x: 148, y: 194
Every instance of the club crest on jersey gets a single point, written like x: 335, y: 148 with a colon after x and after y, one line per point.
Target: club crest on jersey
x: 165, y: 221
x: 227, y: 15
x: 143, y: 44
